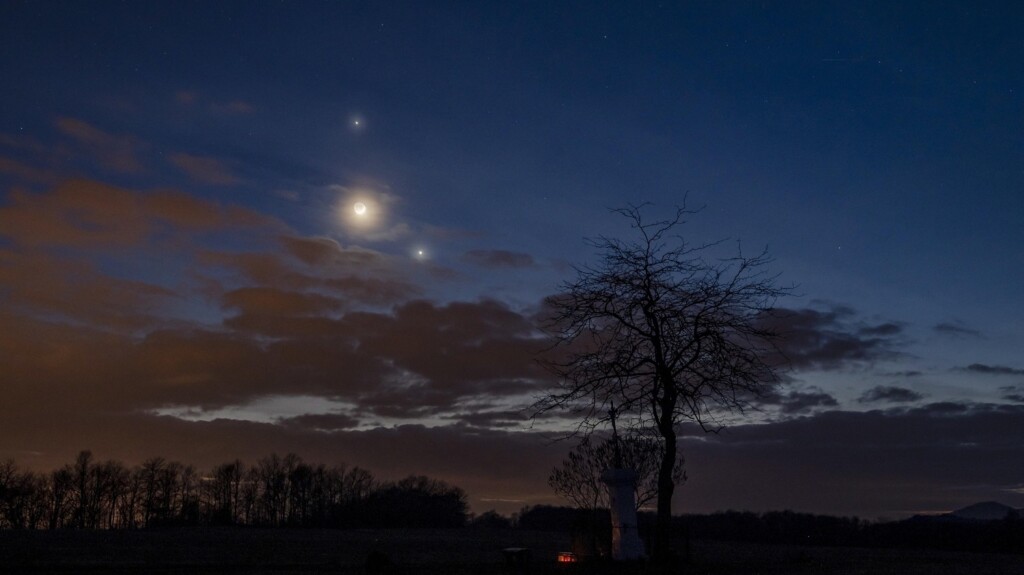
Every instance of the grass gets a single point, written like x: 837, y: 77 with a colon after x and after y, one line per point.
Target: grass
x: 434, y: 552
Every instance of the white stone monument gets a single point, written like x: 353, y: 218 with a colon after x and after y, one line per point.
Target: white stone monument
x: 626, y: 542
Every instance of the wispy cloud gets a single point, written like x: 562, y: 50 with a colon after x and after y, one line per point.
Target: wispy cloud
x: 833, y: 338
x: 89, y: 214
x: 233, y: 107
x: 992, y: 369
x: 1013, y: 393
x: 204, y: 169
x: 956, y: 329
x: 191, y: 98
x: 889, y: 394
x: 25, y: 172
x: 799, y: 401
x: 498, y: 259
x: 118, y: 153
x: 325, y: 422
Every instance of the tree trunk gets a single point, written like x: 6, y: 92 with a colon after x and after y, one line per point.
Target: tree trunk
x: 663, y: 553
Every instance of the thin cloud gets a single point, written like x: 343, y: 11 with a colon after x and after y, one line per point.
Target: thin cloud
x: 833, y: 338
x: 889, y: 394
x: 86, y: 214
x: 1013, y: 393
x: 490, y: 419
x: 25, y: 143
x: 799, y: 402
x: 234, y: 107
x: 290, y: 195
x: 992, y: 369
x: 498, y: 259
x: 204, y: 169
x: 188, y: 98
x: 883, y: 329
x: 357, y: 275
x: 907, y: 373
x: 273, y: 301
x: 956, y: 329
x: 322, y: 251
x: 118, y: 153
x: 25, y: 172
x: 326, y: 422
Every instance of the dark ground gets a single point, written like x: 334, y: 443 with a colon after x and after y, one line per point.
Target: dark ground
x: 463, y: 551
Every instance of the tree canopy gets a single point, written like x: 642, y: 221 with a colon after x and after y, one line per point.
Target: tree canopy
x: 659, y: 332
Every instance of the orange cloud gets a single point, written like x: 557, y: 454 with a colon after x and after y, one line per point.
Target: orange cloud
x: 271, y: 301
x: 25, y: 172
x: 23, y: 142
x: 56, y: 287
x: 80, y: 213
x: 90, y: 214
x: 356, y: 274
x: 60, y: 249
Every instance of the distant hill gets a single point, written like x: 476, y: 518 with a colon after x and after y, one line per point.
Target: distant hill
x: 978, y: 512
x: 985, y: 511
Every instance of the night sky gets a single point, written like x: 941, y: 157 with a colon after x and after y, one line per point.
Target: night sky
x: 183, y: 274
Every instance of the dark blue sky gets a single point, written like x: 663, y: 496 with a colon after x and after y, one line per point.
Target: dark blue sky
x: 876, y: 149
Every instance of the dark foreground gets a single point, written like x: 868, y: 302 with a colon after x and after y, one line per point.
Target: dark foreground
x: 463, y: 551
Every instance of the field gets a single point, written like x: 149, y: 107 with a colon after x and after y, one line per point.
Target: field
x: 256, y: 551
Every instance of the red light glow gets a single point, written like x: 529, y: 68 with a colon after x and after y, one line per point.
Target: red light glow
x: 566, y: 557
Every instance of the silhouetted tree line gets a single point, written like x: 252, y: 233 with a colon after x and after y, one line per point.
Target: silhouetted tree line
x: 778, y: 527
x: 554, y: 518
x: 790, y: 528
x: 275, y: 492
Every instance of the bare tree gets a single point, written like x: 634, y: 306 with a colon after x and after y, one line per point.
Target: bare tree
x: 61, y: 493
x: 660, y: 332
x: 150, y: 473
x: 16, y: 489
x: 223, y: 493
x: 300, y: 494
